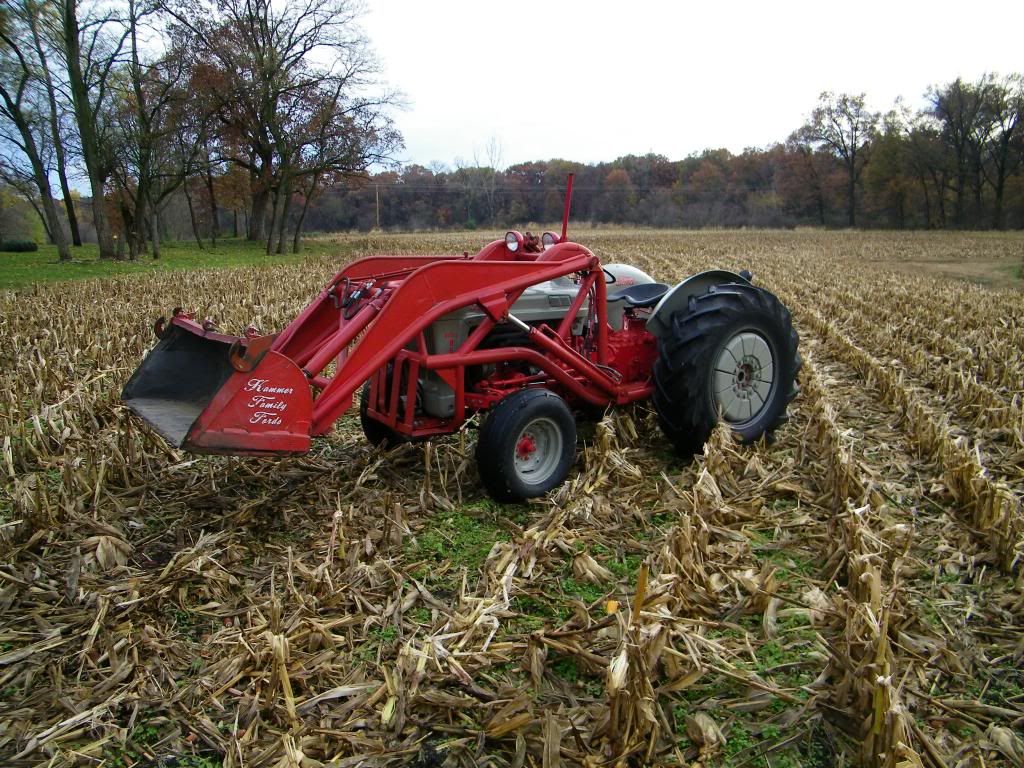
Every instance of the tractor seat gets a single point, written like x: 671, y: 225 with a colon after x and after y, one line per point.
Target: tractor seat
x: 642, y: 295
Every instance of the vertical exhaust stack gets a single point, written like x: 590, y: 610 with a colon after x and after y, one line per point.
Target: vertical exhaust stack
x: 568, y: 205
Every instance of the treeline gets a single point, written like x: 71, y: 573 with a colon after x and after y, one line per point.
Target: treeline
x: 245, y: 106
x: 956, y: 163
x: 261, y: 119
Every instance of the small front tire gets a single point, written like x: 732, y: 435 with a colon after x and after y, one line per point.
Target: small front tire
x: 527, y: 445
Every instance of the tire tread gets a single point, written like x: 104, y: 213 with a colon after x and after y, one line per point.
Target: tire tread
x: 680, y: 370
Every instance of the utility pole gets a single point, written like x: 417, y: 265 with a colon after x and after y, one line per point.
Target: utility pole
x: 377, y: 189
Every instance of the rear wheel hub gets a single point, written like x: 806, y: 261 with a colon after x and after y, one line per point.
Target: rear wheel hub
x: 743, y: 377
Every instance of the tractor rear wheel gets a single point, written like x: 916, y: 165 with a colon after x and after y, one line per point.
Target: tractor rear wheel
x: 527, y: 445
x: 732, y: 351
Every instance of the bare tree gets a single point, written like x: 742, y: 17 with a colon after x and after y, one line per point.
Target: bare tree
x: 958, y: 109
x: 44, y: 23
x: 844, y: 127
x: 490, y: 174
x: 289, y: 81
x: 92, y: 48
x: 20, y: 109
x: 1003, y: 110
x: 161, y: 132
x: 337, y: 136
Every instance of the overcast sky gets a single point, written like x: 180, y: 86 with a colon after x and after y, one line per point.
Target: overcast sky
x: 591, y: 81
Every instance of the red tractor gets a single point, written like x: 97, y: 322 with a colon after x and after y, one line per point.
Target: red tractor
x: 524, y: 338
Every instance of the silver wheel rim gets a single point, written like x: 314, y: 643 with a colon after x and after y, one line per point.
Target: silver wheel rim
x: 538, y: 449
x: 744, y: 377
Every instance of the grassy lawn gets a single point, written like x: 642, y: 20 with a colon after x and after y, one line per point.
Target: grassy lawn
x: 18, y: 270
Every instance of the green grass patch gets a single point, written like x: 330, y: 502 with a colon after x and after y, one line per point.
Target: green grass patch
x: 190, y: 625
x: 199, y: 761
x: 183, y: 621
x: 18, y: 270
x: 743, y: 741
x: 460, y: 538
x: 515, y: 513
x: 787, y: 562
x: 949, y: 577
x: 738, y: 740
x: 420, y: 615
x: 145, y: 733
x: 527, y: 623
x: 1004, y: 689
x: 1013, y: 272
x: 136, y: 751
x: 506, y: 673
x: 378, y: 640
x: 536, y: 613
x: 626, y: 568
x: 583, y: 590
x: 663, y: 519
x: 566, y: 669
x: 930, y: 613
x: 962, y: 730
x: 569, y: 670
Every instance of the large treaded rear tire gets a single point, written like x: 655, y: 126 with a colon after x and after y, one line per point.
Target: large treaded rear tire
x: 526, y: 446
x: 725, y: 324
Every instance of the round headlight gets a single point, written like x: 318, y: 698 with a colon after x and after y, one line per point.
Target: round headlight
x: 513, y: 241
x: 548, y: 239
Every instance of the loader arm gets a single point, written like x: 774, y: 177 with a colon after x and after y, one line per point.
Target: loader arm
x: 429, y: 293
x: 317, y: 322
x: 304, y: 335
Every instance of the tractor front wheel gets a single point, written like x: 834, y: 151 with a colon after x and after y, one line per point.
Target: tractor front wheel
x: 527, y: 445
x: 732, y: 352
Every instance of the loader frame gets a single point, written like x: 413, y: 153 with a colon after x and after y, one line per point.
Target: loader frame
x: 270, y: 394
x: 413, y: 292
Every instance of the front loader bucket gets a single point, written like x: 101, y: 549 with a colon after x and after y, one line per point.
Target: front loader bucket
x: 189, y: 392
x: 177, y: 380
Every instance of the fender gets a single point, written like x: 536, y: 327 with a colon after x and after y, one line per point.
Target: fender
x: 660, y: 321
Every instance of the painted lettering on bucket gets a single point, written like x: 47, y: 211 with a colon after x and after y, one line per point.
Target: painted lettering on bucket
x: 264, y: 386
x: 268, y: 407
x: 268, y: 403
x: 265, y: 418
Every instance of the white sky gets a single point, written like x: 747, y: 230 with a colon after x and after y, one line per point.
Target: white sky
x: 591, y: 81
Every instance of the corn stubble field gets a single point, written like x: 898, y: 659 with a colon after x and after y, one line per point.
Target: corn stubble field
x: 849, y: 594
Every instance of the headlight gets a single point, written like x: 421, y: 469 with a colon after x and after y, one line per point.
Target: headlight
x: 513, y: 241
x: 549, y: 239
